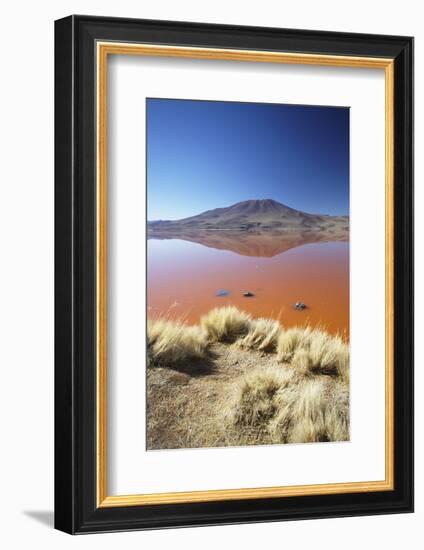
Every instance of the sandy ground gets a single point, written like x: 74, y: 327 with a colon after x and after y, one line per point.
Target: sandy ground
x: 185, y: 408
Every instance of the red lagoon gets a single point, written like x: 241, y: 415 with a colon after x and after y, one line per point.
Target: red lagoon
x: 186, y: 279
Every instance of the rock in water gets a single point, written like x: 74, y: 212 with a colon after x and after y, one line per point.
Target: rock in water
x: 222, y: 292
x: 299, y: 306
x: 248, y: 294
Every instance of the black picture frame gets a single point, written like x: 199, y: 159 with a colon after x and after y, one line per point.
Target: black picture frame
x: 76, y: 510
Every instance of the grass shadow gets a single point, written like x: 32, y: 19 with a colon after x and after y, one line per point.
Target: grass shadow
x: 194, y: 367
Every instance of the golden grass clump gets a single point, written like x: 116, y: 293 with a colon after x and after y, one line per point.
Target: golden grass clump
x: 322, y: 353
x: 316, y: 410
x: 225, y: 324
x: 314, y: 352
x: 329, y: 354
x: 254, y: 396
x: 290, y: 340
x: 288, y: 408
x: 170, y: 342
x: 263, y: 335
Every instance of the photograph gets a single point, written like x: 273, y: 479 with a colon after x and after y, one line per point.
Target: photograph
x: 247, y: 273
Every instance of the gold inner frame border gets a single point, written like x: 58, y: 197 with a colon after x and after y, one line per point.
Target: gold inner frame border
x: 103, y: 50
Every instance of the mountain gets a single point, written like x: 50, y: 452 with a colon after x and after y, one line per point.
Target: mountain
x: 252, y: 215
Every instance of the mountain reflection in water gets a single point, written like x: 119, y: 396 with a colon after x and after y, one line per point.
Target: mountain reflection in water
x: 264, y: 244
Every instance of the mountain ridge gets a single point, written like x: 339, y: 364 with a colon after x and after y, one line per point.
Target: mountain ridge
x: 254, y: 214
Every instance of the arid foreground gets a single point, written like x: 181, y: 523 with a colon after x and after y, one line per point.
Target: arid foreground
x: 234, y: 380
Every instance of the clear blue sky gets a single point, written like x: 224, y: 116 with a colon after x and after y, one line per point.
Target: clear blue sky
x: 210, y: 154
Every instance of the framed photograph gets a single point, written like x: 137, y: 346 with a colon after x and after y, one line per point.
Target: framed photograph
x: 234, y: 274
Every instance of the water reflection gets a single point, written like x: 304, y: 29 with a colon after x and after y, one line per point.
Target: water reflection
x: 265, y: 244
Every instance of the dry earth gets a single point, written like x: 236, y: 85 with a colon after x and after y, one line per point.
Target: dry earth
x: 186, y: 408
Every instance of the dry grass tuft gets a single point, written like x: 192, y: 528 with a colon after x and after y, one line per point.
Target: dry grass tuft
x: 314, y: 352
x: 254, y: 400
x: 225, y: 324
x: 287, y: 408
x: 170, y: 342
x: 329, y: 355
x: 321, y: 353
x: 314, y: 410
x: 262, y: 336
x: 290, y: 340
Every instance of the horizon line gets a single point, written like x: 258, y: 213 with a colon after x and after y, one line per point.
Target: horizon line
x: 248, y: 200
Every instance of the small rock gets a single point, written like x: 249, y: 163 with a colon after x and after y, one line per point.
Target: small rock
x: 222, y: 292
x: 248, y: 294
x: 299, y: 306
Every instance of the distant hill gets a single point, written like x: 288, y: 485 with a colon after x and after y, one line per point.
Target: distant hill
x: 253, y: 215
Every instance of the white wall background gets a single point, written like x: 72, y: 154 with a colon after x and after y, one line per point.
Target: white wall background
x: 26, y: 272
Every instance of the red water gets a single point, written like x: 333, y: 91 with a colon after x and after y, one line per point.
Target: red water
x: 183, y: 278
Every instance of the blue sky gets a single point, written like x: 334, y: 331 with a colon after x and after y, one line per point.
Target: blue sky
x: 211, y: 154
